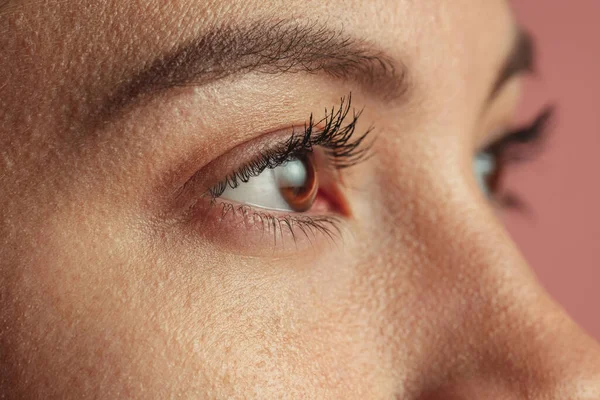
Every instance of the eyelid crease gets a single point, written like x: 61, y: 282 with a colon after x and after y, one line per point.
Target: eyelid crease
x: 332, y: 136
x: 521, y: 59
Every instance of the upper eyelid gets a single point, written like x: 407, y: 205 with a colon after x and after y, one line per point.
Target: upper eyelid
x: 231, y: 160
x: 336, y: 122
x: 332, y: 133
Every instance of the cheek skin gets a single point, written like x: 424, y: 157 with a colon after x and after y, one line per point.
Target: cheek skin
x: 162, y: 324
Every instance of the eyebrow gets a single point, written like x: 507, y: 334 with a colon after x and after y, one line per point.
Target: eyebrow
x: 520, y: 59
x: 272, y: 48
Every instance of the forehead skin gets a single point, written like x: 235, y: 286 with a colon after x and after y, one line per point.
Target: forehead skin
x: 99, y: 303
x: 118, y: 36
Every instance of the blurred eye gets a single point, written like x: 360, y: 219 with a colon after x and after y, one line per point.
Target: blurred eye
x: 291, y: 186
x: 517, y: 146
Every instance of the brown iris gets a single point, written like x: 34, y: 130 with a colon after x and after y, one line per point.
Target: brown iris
x: 298, y: 183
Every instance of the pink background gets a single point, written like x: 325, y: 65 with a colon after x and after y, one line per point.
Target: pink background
x: 561, y: 235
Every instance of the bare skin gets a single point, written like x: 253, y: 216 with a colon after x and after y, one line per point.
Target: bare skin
x: 110, y: 288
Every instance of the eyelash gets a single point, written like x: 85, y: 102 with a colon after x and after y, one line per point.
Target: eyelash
x: 518, y: 146
x: 341, y: 148
x: 334, y: 138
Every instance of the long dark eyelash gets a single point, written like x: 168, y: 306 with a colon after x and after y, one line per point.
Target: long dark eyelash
x: 335, y: 138
x: 523, y: 144
x: 518, y: 146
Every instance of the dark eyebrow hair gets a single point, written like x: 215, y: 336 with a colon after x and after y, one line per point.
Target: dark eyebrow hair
x: 266, y: 47
x: 520, y: 59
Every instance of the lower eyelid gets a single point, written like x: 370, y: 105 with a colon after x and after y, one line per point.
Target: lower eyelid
x: 254, y: 232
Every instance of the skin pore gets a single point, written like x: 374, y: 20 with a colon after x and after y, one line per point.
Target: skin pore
x: 118, y: 280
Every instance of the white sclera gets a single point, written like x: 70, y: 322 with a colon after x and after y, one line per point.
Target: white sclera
x: 484, y: 164
x: 263, y: 191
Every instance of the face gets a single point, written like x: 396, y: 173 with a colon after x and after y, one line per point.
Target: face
x: 249, y: 199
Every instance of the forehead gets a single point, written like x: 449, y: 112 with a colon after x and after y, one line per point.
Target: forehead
x: 449, y: 45
x: 400, y: 26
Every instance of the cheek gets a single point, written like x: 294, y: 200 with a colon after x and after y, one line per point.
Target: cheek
x: 84, y: 319
x: 72, y: 309
x: 99, y: 308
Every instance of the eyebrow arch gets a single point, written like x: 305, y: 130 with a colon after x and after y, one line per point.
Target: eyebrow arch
x: 521, y: 59
x: 272, y: 48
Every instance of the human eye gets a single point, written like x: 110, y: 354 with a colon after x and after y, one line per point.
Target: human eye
x: 286, y: 186
x: 489, y: 164
x: 291, y: 186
